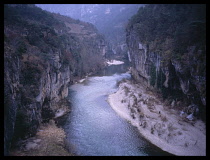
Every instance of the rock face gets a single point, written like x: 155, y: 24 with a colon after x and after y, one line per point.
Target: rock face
x: 43, y: 54
x: 170, y: 59
x: 109, y: 19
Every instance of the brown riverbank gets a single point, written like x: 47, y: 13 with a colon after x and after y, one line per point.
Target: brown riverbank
x: 48, y: 141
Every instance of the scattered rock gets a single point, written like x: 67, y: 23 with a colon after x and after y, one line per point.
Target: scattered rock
x: 173, y: 103
x: 30, y: 145
x: 133, y: 116
x: 138, y: 110
x: 178, y: 103
x: 59, y: 113
x: 182, y: 114
x: 192, y: 109
x: 190, y: 117
x: 144, y: 124
x: 37, y: 140
x: 52, y: 122
x: 133, y: 110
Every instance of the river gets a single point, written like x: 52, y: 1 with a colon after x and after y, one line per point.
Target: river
x: 94, y: 129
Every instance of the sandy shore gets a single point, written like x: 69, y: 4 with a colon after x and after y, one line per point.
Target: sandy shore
x: 161, y: 125
x: 114, y: 62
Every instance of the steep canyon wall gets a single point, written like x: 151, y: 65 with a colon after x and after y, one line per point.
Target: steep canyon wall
x: 167, y: 51
x: 43, y: 54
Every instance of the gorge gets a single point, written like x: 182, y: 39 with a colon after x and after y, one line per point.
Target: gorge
x: 55, y: 65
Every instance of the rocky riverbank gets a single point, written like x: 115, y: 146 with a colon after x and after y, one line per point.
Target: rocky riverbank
x: 48, y: 141
x: 164, y: 125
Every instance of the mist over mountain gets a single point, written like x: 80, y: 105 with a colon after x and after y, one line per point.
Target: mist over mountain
x: 109, y: 19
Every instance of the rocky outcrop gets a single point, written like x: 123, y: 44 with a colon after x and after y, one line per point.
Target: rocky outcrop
x: 179, y: 75
x: 43, y: 54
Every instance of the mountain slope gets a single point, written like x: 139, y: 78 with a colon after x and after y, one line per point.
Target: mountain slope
x: 110, y: 20
x: 43, y: 54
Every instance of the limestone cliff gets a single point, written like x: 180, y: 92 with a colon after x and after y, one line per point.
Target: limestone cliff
x: 167, y: 51
x: 43, y: 54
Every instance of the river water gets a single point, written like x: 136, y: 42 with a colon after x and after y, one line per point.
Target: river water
x: 94, y: 129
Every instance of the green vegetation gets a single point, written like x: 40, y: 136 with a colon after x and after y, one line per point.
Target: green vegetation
x: 176, y: 32
x: 19, y: 12
x: 21, y: 48
x: 170, y: 28
x: 22, y: 125
x: 30, y: 75
x: 48, y: 35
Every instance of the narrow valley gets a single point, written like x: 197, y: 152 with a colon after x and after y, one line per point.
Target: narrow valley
x: 104, y: 79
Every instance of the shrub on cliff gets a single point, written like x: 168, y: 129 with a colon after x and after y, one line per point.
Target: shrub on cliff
x: 176, y: 33
x: 184, y: 24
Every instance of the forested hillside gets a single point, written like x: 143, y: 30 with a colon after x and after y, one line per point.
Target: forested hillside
x: 167, y: 50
